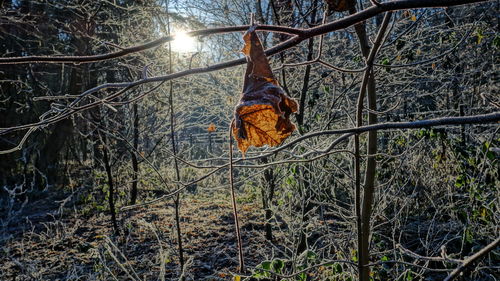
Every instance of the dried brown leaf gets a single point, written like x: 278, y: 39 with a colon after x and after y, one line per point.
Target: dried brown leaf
x: 263, y: 114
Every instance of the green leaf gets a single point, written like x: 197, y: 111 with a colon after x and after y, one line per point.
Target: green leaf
x: 480, y: 36
x: 278, y: 265
x: 266, y: 265
x: 490, y: 155
x: 338, y: 268
x: 409, y: 276
x: 486, y: 146
x: 311, y: 255
x: 468, y: 236
x: 433, y: 134
x: 460, y: 181
x: 260, y: 273
x: 290, y: 180
x: 496, y: 41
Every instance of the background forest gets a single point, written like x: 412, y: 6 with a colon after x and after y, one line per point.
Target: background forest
x: 116, y: 167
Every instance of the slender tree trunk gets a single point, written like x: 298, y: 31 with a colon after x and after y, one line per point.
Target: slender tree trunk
x: 306, y: 206
x: 369, y: 183
x: 306, y: 177
x: 177, y: 202
x: 135, y: 163
x: 281, y: 17
x: 362, y: 233
x: 61, y: 132
x: 305, y: 83
x: 363, y: 212
x: 239, y: 241
x: 47, y: 161
x: 174, y: 151
x: 111, y: 197
x: 268, y: 188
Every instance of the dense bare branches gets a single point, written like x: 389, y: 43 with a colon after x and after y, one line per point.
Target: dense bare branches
x: 424, y: 129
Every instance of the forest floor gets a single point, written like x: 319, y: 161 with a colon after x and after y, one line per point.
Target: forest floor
x: 48, y: 241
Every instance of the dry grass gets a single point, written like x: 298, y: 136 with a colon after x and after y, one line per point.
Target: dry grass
x: 50, y: 245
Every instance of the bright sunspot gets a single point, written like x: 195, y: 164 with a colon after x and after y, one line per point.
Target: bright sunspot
x: 183, y: 43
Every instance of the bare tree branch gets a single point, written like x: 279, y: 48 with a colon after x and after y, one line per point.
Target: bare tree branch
x: 345, y: 133
x: 467, y: 262
x: 303, y: 34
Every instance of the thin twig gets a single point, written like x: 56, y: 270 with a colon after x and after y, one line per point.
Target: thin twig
x: 241, y: 268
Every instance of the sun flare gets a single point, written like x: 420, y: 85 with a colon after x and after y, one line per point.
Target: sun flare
x: 183, y: 43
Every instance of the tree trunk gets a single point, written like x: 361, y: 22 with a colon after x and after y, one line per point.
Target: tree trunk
x: 267, y: 191
x: 135, y: 163
x: 111, y: 197
x: 306, y: 176
x: 47, y: 171
x: 370, y: 171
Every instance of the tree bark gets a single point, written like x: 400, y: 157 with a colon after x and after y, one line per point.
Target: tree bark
x: 135, y: 164
x: 363, y: 212
x: 111, y: 196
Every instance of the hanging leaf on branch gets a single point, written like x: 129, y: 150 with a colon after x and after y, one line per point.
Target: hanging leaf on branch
x: 263, y: 114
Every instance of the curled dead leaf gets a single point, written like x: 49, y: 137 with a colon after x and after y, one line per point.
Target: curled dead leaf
x: 263, y: 115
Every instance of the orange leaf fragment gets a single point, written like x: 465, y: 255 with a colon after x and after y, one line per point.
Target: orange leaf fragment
x: 263, y: 114
x: 211, y: 128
